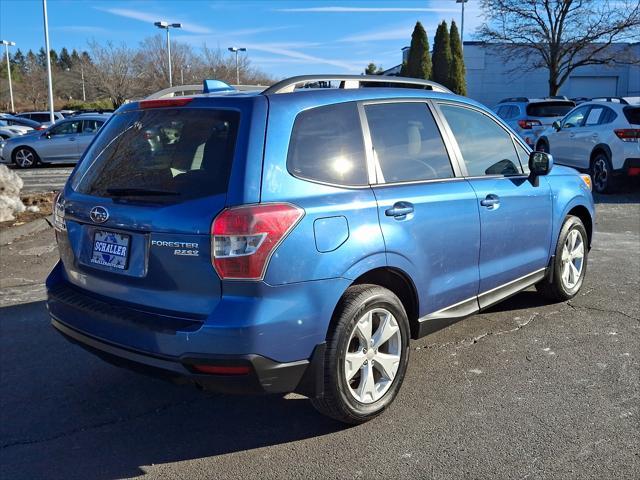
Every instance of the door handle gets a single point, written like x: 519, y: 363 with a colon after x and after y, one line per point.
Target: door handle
x: 399, y: 210
x: 72, y: 139
x: 491, y: 201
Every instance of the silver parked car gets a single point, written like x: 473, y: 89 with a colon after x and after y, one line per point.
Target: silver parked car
x: 63, y: 142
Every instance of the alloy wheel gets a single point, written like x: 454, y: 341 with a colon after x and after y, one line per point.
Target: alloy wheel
x: 572, y: 259
x: 373, y: 355
x: 600, y: 174
x: 25, y: 158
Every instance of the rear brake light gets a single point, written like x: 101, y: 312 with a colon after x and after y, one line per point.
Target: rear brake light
x: 41, y: 127
x: 222, y: 369
x: 244, y: 238
x: 633, y: 171
x: 528, y: 124
x: 165, y: 102
x: 628, y: 134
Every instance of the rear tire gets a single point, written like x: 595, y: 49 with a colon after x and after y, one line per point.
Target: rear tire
x: 569, y: 263
x: 362, y: 378
x: 602, y: 174
x: 25, y: 157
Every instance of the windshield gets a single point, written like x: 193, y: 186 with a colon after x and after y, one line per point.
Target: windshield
x: 549, y: 109
x: 162, y: 155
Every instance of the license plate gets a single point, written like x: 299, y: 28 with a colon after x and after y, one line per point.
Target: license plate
x: 110, y: 249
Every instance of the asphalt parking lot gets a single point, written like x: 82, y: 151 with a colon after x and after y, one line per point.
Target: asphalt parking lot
x: 525, y: 390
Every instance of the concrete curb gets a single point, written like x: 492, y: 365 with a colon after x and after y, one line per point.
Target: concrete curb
x: 12, y: 234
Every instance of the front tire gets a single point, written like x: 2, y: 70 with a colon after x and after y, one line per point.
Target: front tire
x: 25, y: 157
x: 570, y: 262
x: 367, y: 355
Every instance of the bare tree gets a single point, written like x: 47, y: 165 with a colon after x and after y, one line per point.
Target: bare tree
x: 151, y: 62
x: 112, y: 72
x: 562, y: 35
x: 33, y: 86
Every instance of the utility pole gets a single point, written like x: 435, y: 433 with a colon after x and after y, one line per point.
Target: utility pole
x: 8, y: 44
x: 462, y: 23
x: 48, y: 49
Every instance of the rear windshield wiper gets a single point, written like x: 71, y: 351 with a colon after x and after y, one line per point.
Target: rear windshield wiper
x: 139, y: 192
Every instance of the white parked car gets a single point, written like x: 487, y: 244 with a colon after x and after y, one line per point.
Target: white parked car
x: 601, y: 137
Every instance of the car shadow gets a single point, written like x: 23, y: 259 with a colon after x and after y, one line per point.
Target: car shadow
x: 66, y: 414
x: 629, y: 192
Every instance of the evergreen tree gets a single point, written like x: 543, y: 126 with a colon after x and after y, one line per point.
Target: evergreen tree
x: 42, y: 57
x: 75, y: 58
x: 18, y: 60
x: 457, y: 71
x: 372, y: 69
x: 418, y: 63
x: 64, y: 61
x: 441, y: 57
x: 53, y: 56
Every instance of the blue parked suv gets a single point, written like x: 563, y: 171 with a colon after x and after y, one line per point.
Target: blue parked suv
x: 296, y: 239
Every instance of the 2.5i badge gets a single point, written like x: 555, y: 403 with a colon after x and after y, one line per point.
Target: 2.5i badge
x: 110, y: 249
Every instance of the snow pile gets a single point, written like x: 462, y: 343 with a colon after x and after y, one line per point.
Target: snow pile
x: 10, y: 186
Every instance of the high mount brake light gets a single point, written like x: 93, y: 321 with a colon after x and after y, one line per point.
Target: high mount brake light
x: 244, y: 238
x: 165, y: 102
x: 529, y: 124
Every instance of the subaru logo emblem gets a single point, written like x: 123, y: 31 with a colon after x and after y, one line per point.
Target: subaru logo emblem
x: 99, y: 214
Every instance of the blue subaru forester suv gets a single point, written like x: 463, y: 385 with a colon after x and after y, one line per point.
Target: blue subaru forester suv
x: 296, y: 239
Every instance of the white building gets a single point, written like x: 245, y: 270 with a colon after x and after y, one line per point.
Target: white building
x: 490, y: 79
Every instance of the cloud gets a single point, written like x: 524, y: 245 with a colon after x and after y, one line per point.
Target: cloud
x: 365, y: 9
x: 151, y: 18
x: 396, y: 33
x: 82, y: 29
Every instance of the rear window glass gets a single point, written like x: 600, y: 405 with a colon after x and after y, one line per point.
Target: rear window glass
x: 549, y: 109
x: 632, y: 114
x: 162, y: 155
x: 326, y: 145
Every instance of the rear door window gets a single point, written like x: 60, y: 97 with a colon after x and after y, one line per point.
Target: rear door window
x: 327, y: 146
x: 407, y: 143
x: 91, y: 126
x: 487, y: 148
x: 163, y: 155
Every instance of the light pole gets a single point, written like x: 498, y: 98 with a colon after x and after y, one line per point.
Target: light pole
x: 188, y: 67
x: 48, y: 50
x: 84, y: 94
x: 462, y: 23
x: 236, y: 50
x: 167, y: 26
x: 8, y: 44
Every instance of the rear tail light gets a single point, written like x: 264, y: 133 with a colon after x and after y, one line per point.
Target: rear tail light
x: 41, y: 127
x: 529, y: 124
x: 244, y: 238
x: 628, y: 134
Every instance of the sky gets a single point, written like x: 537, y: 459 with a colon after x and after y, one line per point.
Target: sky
x: 282, y: 37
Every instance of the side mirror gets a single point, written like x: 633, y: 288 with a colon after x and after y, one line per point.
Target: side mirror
x: 540, y: 163
x: 556, y: 125
x: 46, y: 134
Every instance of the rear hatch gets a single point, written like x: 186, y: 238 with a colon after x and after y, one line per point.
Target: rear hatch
x: 547, y: 112
x: 139, y: 207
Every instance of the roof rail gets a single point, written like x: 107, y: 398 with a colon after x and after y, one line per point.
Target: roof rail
x: 610, y: 99
x: 514, y: 99
x: 353, y: 81
x: 171, y: 91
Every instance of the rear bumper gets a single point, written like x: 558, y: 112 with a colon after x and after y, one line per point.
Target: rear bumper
x: 265, y: 375
x: 630, y: 167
